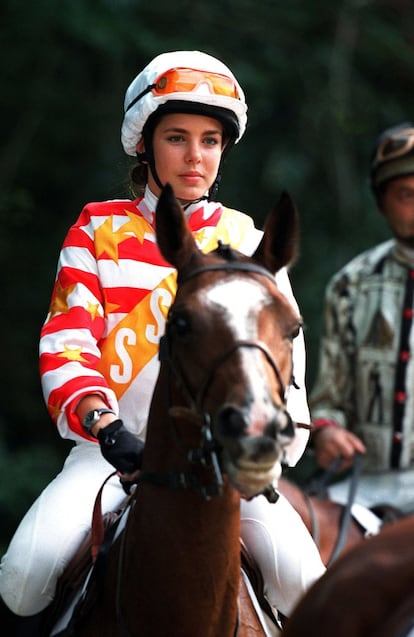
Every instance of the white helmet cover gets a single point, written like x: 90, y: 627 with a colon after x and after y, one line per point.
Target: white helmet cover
x: 136, y: 116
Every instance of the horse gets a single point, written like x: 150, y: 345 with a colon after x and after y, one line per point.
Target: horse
x: 335, y: 527
x: 217, y: 430
x: 366, y: 593
x: 323, y: 518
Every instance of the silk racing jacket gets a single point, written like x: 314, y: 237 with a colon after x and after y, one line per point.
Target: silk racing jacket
x: 109, y: 304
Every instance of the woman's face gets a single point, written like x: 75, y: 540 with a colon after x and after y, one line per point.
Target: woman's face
x: 187, y: 152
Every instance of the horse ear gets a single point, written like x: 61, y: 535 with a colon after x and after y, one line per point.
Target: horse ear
x: 174, y: 238
x: 279, y: 244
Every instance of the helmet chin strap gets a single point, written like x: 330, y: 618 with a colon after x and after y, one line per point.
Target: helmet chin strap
x: 212, y: 193
x: 147, y: 157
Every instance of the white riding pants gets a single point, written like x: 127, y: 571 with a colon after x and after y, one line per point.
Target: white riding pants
x: 53, y: 529
x: 283, y: 549
x: 56, y: 524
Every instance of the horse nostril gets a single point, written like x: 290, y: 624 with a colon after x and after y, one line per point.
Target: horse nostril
x: 231, y: 421
x: 272, y: 430
x: 286, y: 426
x: 282, y: 424
x: 289, y: 429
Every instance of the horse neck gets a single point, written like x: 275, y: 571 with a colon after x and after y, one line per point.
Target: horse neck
x: 166, y: 453
x: 187, y: 548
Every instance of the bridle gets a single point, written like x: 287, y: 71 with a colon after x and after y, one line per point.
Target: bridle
x: 207, y: 452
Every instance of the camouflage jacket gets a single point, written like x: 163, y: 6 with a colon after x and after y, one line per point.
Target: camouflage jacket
x: 365, y: 380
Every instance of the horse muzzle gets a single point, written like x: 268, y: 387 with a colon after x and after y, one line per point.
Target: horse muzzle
x: 233, y: 424
x: 252, y: 452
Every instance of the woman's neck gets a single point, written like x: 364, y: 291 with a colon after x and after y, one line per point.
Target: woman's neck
x: 151, y: 201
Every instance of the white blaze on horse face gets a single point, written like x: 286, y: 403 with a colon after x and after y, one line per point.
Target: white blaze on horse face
x: 241, y: 303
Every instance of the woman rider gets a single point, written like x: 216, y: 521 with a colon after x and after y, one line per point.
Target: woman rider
x: 98, y: 347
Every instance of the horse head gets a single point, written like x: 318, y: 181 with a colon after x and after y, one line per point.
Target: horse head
x: 228, y: 343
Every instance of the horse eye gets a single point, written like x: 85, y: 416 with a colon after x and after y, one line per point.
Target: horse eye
x: 295, y: 332
x: 181, y: 324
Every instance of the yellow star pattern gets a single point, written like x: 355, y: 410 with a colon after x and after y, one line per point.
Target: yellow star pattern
x: 93, y: 309
x: 55, y: 410
x: 139, y: 226
x: 109, y: 307
x: 72, y: 354
x: 107, y: 239
x: 199, y: 236
x: 60, y: 302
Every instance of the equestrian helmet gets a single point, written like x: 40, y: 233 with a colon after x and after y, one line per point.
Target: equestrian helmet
x: 183, y: 81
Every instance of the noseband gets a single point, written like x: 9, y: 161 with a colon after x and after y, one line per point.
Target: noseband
x: 207, y: 452
x: 197, y: 401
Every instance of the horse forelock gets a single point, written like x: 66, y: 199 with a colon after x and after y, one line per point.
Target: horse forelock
x: 226, y: 251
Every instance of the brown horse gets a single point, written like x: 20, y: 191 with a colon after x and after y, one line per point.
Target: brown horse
x: 323, y: 519
x: 366, y: 593
x: 335, y: 527
x: 217, y: 428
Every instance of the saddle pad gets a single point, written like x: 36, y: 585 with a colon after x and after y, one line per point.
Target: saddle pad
x: 366, y: 518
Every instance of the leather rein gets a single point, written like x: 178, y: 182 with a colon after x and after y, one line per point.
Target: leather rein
x: 207, y: 454
x: 318, y: 486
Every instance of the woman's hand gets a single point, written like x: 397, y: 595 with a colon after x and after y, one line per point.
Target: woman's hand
x: 120, y: 447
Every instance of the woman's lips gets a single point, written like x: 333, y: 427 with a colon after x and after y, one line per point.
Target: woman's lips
x: 191, y: 176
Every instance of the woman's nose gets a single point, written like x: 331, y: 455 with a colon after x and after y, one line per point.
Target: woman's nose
x: 193, y: 152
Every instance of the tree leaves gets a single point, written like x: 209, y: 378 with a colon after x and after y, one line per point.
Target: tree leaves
x: 321, y: 80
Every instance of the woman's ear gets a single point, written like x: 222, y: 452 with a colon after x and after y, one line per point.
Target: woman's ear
x: 142, y: 158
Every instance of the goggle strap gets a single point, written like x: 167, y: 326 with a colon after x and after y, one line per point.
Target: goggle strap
x: 138, y: 97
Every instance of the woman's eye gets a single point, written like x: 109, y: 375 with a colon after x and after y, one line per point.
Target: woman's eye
x: 211, y: 141
x: 175, y: 138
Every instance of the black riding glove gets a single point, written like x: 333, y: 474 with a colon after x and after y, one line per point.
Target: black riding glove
x: 120, y: 447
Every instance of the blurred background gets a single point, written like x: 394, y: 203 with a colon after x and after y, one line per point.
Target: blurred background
x: 322, y: 79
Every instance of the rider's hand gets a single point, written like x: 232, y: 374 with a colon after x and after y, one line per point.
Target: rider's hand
x: 120, y: 447
x: 332, y: 442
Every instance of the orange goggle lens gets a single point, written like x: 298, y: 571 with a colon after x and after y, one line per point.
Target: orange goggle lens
x: 396, y: 145
x: 182, y: 80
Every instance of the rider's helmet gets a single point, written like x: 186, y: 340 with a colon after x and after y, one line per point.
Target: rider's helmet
x: 393, y: 156
x: 182, y: 82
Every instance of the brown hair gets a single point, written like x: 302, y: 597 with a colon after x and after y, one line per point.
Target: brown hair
x: 138, y: 179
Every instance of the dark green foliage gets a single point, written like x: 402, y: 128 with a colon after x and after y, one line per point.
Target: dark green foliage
x: 322, y: 78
